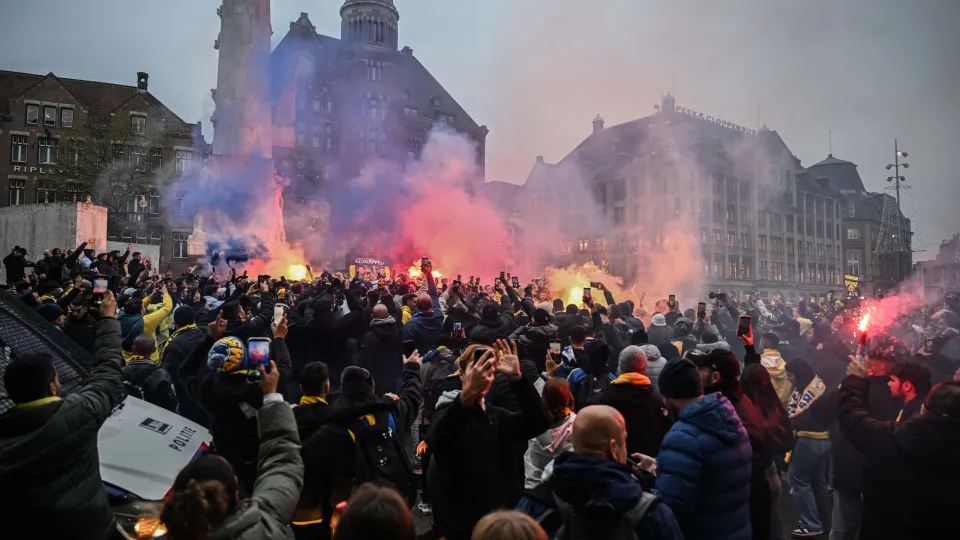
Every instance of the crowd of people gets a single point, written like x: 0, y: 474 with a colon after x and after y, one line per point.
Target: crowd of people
x: 338, y: 405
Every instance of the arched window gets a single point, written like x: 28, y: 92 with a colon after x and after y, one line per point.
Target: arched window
x: 155, y: 238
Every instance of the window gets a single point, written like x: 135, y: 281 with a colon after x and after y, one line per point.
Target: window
x: 126, y: 235
x: 155, y: 238
x: 583, y: 245
x: 315, y: 142
x: 33, y: 115
x: 154, y: 203
x: 732, y: 214
x: 829, y: 230
x: 329, y: 136
x: 789, y: 222
x: 17, y: 188
x: 138, y: 124
x: 762, y: 219
x: 619, y: 189
x: 410, y: 111
x: 73, y: 192
x: 810, y: 248
x: 18, y: 148
x: 853, y: 233
x: 819, y: 229
x: 820, y: 251
x: 447, y: 119
x: 49, y: 116
x: 375, y: 71
x: 47, y: 154
x: 762, y: 242
x: 301, y: 139
x: 705, y: 269
x: 703, y: 236
x: 790, y: 248
x: 744, y: 240
x: 777, y: 271
x: 731, y: 239
x: 179, y: 203
x: 601, y: 244
x: 717, y: 211
x: 46, y: 192
x: 763, y: 270
x: 619, y: 215
x: 138, y: 157
x: 156, y: 158
x: 317, y: 105
x: 777, y: 244
x: 716, y: 237
x: 851, y: 208
x: 776, y: 222
x: 184, y: 161
x: 74, y: 152
x: 180, y: 245
x: 66, y: 117
x: 118, y: 153
x: 731, y: 270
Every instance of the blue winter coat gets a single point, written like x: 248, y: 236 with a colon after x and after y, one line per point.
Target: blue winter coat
x: 703, y: 471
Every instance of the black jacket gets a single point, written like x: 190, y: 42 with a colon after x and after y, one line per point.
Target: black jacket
x: 534, y: 341
x: 82, y: 331
x: 487, y: 330
x: 910, y: 473
x: 330, y: 453
x: 174, y: 354
x: 847, y: 460
x: 49, y: 466
x: 16, y: 268
x: 231, y: 403
x: 642, y: 409
x: 256, y: 326
x: 476, y: 466
x: 314, y: 501
x: 381, y: 353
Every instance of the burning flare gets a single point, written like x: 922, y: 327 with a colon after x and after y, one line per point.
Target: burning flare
x: 864, y: 323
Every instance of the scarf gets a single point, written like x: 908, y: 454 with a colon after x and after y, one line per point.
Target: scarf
x: 167, y: 341
x: 637, y: 379
x: 378, y: 322
x: 310, y: 400
x: 801, y: 401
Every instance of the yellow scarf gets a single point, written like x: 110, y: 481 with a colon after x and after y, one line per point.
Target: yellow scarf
x: 37, y: 402
x: 163, y: 345
x: 310, y: 400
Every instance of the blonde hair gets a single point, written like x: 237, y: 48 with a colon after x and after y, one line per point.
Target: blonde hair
x: 508, y: 525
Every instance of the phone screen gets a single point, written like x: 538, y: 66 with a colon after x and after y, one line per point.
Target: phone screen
x: 503, y: 276
x: 586, y: 292
x: 743, y: 327
x: 499, y: 281
x: 478, y: 353
x: 928, y: 346
x: 672, y: 298
x: 259, y: 350
x: 100, y: 286
x: 277, y: 314
x: 457, y: 326
x: 701, y: 310
x: 516, y: 283
x: 409, y: 347
x: 424, y: 261
x: 555, y: 347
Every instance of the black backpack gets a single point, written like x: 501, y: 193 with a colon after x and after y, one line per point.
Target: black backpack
x: 600, y: 520
x: 380, y: 458
x: 145, y: 380
x: 590, y: 390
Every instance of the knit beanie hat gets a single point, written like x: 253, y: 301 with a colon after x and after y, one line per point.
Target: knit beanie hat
x: 50, y: 312
x: 228, y: 355
x: 659, y: 320
x: 356, y: 381
x: 680, y: 379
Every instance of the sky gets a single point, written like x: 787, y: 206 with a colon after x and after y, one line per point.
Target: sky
x: 536, y: 72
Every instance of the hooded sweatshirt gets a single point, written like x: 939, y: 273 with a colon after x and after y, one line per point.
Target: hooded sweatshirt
x: 777, y: 368
x: 544, y: 447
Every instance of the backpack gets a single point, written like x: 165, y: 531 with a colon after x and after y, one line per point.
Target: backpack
x: 149, y: 382
x: 600, y: 520
x: 380, y: 458
x: 590, y: 390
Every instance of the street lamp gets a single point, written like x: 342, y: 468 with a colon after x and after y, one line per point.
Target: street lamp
x: 897, y: 155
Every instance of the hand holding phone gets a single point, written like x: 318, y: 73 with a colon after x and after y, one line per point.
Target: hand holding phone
x: 555, y: 347
x: 100, y: 285
x: 701, y: 310
x: 258, y: 349
x: 515, y: 282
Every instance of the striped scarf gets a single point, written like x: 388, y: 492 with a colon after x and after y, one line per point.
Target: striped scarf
x: 163, y: 346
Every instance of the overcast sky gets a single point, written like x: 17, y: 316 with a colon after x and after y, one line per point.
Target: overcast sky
x: 536, y: 72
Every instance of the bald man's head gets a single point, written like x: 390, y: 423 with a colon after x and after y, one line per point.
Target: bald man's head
x: 600, y: 431
x: 380, y: 312
x: 144, y: 346
x: 424, y: 302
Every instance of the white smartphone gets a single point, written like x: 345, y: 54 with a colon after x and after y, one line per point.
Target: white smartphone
x: 277, y: 314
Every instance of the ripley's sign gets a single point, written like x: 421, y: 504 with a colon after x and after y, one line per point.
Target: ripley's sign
x: 719, y: 122
x: 25, y: 169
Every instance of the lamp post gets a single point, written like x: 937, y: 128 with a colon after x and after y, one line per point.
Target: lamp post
x: 897, y: 154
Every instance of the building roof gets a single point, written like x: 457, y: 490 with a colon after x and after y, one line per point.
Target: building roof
x: 843, y: 174
x: 95, y: 96
x: 384, y: 3
x: 420, y: 85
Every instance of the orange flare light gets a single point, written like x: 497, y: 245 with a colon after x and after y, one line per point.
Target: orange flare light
x: 864, y: 322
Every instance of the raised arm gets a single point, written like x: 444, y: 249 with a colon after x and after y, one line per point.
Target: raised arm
x: 104, y: 387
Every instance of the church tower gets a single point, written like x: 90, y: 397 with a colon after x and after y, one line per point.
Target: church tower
x: 370, y: 23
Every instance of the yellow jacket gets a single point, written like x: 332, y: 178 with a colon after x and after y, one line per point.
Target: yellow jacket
x: 150, y: 323
x: 407, y: 314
